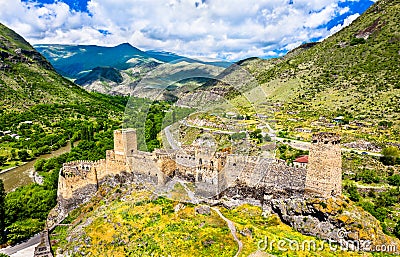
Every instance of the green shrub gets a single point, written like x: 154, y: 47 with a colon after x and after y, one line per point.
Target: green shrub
x: 353, y: 193
x: 24, y: 229
x: 355, y: 41
x: 394, y: 180
x: 397, y: 230
x: 39, y: 164
x: 390, y: 155
x: 368, y: 176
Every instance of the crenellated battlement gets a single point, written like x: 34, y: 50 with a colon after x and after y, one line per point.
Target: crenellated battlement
x: 213, y: 172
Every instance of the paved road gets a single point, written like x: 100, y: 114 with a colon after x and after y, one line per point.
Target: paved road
x: 170, y: 138
x: 232, y: 227
x: 24, y: 249
x: 306, y: 146
x: 302, y: 145
x: 213, y: 130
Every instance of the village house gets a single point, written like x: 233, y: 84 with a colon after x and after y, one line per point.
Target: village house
x: 301, y: 162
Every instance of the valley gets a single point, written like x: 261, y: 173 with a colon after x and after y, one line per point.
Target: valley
x: 226, y: 158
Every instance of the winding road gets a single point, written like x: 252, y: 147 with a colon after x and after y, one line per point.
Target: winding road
x: 24, y: 249
x: 232, y: 227
x: 170, y: 138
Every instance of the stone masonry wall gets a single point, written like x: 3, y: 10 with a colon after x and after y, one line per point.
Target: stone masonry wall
x: 213, y: 173
x: 324, y: 170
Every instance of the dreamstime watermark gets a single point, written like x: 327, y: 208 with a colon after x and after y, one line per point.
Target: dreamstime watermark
x: 341, y: 244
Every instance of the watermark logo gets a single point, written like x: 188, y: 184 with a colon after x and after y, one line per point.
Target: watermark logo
x: 343, y: 243
x: 342, y: 233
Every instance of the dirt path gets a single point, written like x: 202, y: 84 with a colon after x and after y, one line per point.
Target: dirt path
x: 232, y: 227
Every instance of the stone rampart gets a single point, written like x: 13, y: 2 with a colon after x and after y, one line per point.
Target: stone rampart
x: 213, y: 173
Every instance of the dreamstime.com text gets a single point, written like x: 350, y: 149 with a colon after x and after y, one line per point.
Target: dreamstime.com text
x: 312, y: 245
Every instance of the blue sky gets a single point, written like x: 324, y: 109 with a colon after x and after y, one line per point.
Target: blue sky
x: 222, y: 29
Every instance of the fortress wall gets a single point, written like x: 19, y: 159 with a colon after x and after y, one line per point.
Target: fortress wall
x: 206, y: 189
x: 167, y: 166
x: 186, y: 160
x: 186, y: 172
x: 213, y: 173
x: 100, y: 168
x: 270, y: 176
x: 283, y: 178
x: 108, y: 167
x: 207, y: 175
x: 147, y: 164
x: 80, y: 195
x: 75, y: 175
x: 237, y: 169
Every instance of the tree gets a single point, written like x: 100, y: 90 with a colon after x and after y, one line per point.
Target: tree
x: 267, y: 138
x: 397, y: 230
x: 368, y: 176
x: 23, y: 155
x: 13, y: 154
x: 3, y: 238
x: 256, y: 135
x: 390, y: 155
x: 353, y: 193
x: 394, y: 180
x: 39, y: 164
x: 3, y: 160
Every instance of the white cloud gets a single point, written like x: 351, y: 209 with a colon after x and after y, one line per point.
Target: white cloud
x: 231, y: 29
x: 346, y: 23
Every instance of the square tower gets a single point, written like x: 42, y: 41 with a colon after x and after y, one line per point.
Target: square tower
x: 324, y: 170
x: 125, y: 142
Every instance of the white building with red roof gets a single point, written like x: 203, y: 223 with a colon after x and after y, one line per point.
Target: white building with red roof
x: 301, y: 162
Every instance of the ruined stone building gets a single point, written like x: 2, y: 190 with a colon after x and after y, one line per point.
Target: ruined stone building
x: 214, y: 174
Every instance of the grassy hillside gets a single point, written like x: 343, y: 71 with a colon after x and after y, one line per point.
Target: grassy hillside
x: 354, y: 73
x: 130, y: 221
x: 27, y: 78
x: 40, y: 110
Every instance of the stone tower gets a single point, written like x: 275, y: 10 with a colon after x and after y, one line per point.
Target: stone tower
x: 125, y: 143
x: 324, y: 170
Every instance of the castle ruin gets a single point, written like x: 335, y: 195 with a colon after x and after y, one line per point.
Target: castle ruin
x: 214, y: 174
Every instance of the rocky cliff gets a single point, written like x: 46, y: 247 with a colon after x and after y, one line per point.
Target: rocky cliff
x: 336, y: 220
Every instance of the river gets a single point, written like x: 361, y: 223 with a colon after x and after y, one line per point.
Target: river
x: 22, y: 175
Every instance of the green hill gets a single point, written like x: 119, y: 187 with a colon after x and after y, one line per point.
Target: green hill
x: 41, y: 111
x: 40, y: 108
x: 354, y: 73
x: 102, y: 74
x: 28, y: 79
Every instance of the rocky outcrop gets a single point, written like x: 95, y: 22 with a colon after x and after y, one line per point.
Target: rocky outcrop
x: 202, y: 209
x: 336, y: 220
x: 363, y: 146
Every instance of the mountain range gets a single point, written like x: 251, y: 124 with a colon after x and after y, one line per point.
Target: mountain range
x: 96, y: 67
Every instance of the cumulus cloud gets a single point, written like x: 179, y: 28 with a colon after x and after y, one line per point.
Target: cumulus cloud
x: 225, y: 29
x: 346, y: 23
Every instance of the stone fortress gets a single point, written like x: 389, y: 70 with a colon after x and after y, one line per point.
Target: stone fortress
x: 214, y: 174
